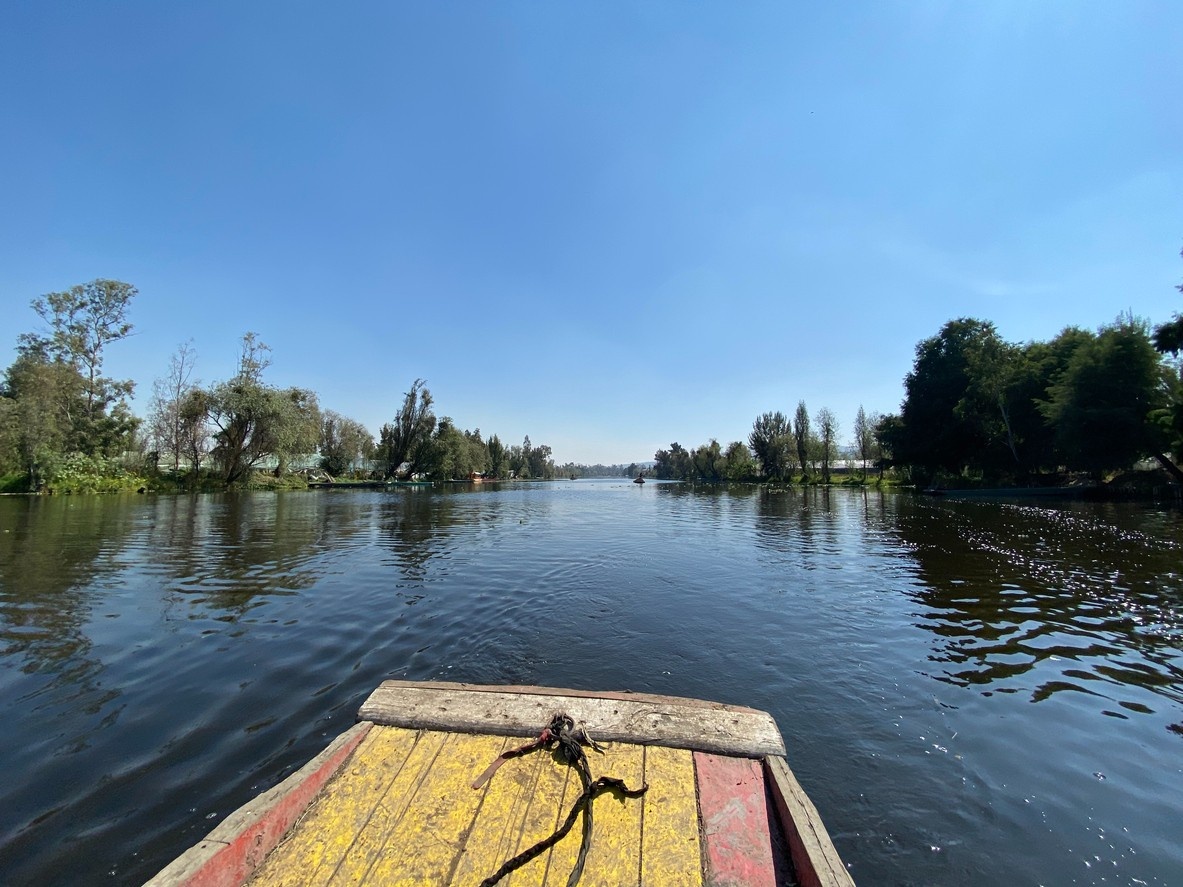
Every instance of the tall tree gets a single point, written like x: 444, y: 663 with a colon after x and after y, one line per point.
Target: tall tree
x: 166, y: 420
x: 994, y: 369
x: 344, y: 442
x: 38, y: 400
x: 82, y: 321
x: 1101, y: 404
x: 497, y: 457
x: 255, y: 421
x: 771, y: 441
x: 827, y: 433
x: 456, y: 454
x: 801, y: 436
x: 194, y: 430
x: 707, y: 462
x: 887, y: 432
x: 1168, y: 339
x: 538, y: 460
x: 864, y: 435
x: 935, y: 434
x: 672, y: 464
x: 738, y: 462
x: 407, y: 440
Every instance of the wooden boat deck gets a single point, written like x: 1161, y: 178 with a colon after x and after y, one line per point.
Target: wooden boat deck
x: 392, y: 802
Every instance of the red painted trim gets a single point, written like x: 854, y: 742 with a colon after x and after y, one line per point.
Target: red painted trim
x: 245, y: 838
x: 734, y: 816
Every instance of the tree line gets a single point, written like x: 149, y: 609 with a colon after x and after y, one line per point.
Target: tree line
x: 778, y: 449
x: 975, y: 406
x: 64, y: 423
x: 979, y: 408
x: 1087, y: 402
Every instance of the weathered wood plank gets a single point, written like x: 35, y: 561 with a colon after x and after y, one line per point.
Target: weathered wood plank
x: 671, y: 854
x: 564, y: 691
x: 814, y: 857
x: 735, y: 826
x: 617, y: 717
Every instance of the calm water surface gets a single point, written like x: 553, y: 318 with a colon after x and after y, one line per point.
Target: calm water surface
x: 972, y: 693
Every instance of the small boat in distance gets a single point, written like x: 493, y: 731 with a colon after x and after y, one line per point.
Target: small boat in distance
x: 639, y: 479
x: 433, y: 786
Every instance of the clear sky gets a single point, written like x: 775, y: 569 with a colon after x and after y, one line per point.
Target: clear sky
x: 606, y: 225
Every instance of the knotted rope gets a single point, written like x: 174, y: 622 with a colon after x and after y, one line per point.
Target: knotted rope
x: 561, y: 733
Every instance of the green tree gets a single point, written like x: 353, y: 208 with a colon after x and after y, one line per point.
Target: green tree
x: 935, y: 433
x: 827, y: 435
x: 864, y: 436
x: 456, y: 454
x: 539, y: 461
x: 994, y: 369
x: 519, y: 466
x: 194, y: 429
x: 496, y: 457
x: 801, y: 436
x: 771, y: 440
x: 407, y: 441
x: 255, y: 421
x: 82, y: 321
x: 447, y: 454
x: 672, y: 464
x: 406, y: 444
x: 38, y: 399
x: 707, y: 462
x: 887, y: 431
x: 1037, y: 367
x: 344, y: 442
x: 1100, y: 406
x: 1168, y: 339
x: 738, y: 464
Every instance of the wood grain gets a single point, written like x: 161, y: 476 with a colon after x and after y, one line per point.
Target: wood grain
x: 814, y: 857
x: 609, y: 717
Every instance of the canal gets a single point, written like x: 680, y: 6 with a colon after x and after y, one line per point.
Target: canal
x: 971, y: 692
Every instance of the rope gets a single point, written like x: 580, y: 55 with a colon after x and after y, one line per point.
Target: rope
x: 562, y: 733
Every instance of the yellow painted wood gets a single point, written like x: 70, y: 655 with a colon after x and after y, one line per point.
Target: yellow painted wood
x: 389, y: 808
x: 518, y: 810
x: 555, y: 789
x: 324, y: 836
x: 423, y: 845
x: 671, y: 854
x: 561, y: 858
x: 615, y: 856
x: 403, y: 812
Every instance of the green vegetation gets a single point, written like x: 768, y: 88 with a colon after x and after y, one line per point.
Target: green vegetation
x: 67, y: 428
x: 61, y: 419
x: 980, y: 411
x: 977, y: 410
x: 976, y: 407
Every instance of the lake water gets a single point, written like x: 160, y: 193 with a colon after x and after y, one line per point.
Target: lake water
x: 971, y: 692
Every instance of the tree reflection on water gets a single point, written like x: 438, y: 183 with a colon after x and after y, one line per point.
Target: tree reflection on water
x: 54, y: 561
x: 1065, y: 597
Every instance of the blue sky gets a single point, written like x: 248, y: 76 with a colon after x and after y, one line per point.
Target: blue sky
x: 606, y: 225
